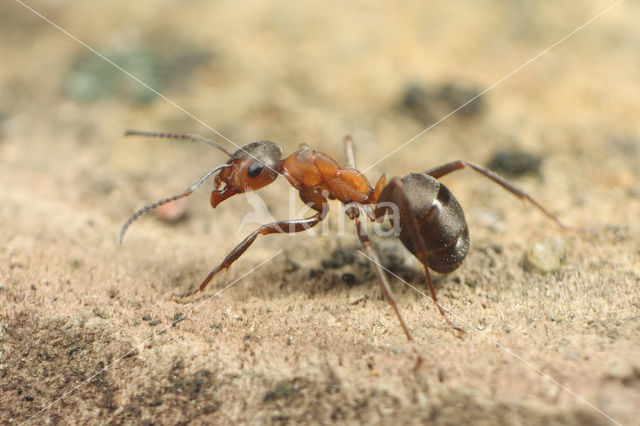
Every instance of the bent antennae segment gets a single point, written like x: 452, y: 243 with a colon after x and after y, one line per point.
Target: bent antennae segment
x: 158, y: 203
x: 182, y: 136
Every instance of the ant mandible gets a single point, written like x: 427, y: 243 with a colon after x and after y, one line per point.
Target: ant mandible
x: 430, y: 223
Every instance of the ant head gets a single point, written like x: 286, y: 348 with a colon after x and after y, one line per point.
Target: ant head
x: 251, y: 167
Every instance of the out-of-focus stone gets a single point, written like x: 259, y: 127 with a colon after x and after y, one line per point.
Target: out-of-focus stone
x: 546, y: 256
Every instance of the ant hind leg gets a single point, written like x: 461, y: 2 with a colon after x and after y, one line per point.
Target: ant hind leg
x: 447, y: 168
x: 411, y: 224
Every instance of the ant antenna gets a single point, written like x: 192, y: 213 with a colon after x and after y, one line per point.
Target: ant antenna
x: 182, y: 136
x: 158, y: 203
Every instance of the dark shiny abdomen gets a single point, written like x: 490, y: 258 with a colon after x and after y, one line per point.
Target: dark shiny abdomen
x: 441, y: 220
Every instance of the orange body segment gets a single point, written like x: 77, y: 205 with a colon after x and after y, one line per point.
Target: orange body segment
x: 311, y: 170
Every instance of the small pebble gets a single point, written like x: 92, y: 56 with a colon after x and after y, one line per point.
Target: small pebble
x: 416, y: 99
x: 173, y: 211
x: 349, y: 279
x: 428, y: 103
x: 617, y: 371
x: 339, y: 257
x: 546, y: 256
x: 357, y: 299
x: 290, y: 266
x: 156, y: 402
x: 514, y: 163
x: 573, y: 355
x: 177, y: 318
x: 455, y: 95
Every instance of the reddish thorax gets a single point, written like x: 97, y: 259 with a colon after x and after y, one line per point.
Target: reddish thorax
x: 317, y: 176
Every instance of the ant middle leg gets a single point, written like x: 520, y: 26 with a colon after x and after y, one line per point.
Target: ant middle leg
x: 280, y: 227
x: 351, y: 162
x: 444, y: 169
x: 348, y: 151
x: 386, y: 288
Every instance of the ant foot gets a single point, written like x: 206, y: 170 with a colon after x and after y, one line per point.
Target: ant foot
x: 458, y: 332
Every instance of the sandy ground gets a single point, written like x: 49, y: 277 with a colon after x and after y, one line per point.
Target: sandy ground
x: 88, y: 330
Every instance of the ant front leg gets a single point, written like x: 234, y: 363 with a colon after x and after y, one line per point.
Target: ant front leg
x: 410, y: 223
x: 444, y: 169
x: 386, y: 288
x: 281, y: 227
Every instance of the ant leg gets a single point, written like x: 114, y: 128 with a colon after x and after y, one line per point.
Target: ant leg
x: 413, y: 228
x: 371, y: 252
x: 461, y: 164
x: 351, y: 162
x: 348, y: 152
x: 281, y: 227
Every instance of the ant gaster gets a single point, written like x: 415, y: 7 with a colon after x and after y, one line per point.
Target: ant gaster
x: 432, y: 225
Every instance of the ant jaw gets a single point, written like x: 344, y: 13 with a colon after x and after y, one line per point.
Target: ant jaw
x: 219, y: 196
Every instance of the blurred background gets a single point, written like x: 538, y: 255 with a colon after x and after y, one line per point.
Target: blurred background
x: 299, y: 74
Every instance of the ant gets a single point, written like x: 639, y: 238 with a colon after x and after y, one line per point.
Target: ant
x: 425, y: 214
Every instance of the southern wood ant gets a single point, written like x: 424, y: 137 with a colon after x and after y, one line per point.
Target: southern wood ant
x: 430, y: 223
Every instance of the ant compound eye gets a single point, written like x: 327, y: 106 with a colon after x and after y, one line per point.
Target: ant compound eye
x: 255, y: 169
